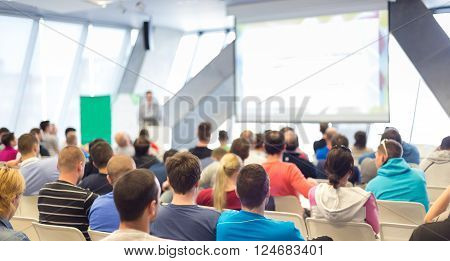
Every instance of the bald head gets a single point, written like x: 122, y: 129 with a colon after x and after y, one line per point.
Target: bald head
x: 248, y: 135
x: 118, y: 165
x: 121, y: 139
x: 291, y: 140
x: 330, y: 133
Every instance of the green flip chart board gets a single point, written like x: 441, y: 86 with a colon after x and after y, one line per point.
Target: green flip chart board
x: 95, y: 118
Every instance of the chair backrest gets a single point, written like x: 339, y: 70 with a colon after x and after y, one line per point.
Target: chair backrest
x: 396, y: 232
x: 97, y: 235
x: 434, y: 193
x: 298, y: 220
x: 58, y: 233
x: 25, y: 225
x: 401, y: 212
x: 28, y: 207
x: 288, y: 204
x: 345, y: 231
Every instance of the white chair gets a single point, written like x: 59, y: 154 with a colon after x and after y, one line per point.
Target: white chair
x: 434, y: 193
x: 288, y: 204
x: 298, y: 220
x: 25, y: 225
x: 396, y: 232
x: 58, y: 233
x: 97, y: 235
x: 28, y: 207
x: 401, y: 212
x: 342, y: 231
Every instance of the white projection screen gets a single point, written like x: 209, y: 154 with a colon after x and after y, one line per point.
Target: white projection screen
x: 326, y: 68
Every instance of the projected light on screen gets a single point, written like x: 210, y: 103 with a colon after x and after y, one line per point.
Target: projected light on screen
x: 328, y: 68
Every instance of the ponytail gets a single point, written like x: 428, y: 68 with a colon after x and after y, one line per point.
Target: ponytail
x: 230, y: 164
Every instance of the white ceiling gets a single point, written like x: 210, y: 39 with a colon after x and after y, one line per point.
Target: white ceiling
x: 185, y: 15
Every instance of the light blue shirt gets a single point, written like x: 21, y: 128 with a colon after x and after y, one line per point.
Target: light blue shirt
x: 37, y: 173
x: 247, y: 226
x: 397, y: 181
x: 103, y: 215
x: 8, y: 234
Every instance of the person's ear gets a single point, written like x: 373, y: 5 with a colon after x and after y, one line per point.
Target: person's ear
x: 152, y: 209
x: 237, y: 194
x: 109, y: 179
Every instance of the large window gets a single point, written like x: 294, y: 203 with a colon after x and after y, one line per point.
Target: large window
x: 15, y: 34
x: 49, y: 77
x: 208, y: 47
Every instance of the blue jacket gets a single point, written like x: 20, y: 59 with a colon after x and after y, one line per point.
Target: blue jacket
x: 410, y: 154
x: 397, y: 181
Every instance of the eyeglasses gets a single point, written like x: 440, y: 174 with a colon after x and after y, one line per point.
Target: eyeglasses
x: 341, y: 147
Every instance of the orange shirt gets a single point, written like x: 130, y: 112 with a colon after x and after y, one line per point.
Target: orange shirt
x: 286, y: 179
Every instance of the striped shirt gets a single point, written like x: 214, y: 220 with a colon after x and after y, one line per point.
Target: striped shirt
x: 63, y: 204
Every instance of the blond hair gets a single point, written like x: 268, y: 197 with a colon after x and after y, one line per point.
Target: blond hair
x: 69, y: 158
x: 12, y: 185
x: 230, y: 164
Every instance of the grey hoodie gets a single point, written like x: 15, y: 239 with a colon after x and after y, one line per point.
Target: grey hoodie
x: 437, y: 168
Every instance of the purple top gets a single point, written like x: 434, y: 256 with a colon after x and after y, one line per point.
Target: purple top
x: 8, y: 153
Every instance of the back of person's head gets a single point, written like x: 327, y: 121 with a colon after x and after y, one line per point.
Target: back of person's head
x: 338, y: 164
x: 69, y: 130
x: 204, y: 131
x: 274, y: 142
x: 286, y: 129
x: 330, y: 133
x: 71, y: 159
x: 135, y: 193
x: 390, y: 148
x: 360, y: 139
x: 291, y: 140
x: 118, y: 165
x: 121, y: 138
x: 169, y: 154
x: 339, y: 140
x: 27, y: 144
x: 8, y: 139
x: 223, y: 136
x: 445, y: 144
x: 248, y: 135
x: 144, y: 133
x: 35, y: 132
x: 92, y: 143
x: 183, y: 172
x: 259, y: 141
x: 12, y: 186
x: 141, y: 146
x: 230, y: 165
x: 391, y: 134
x: 323, y: 127
x: 3, y: 130
x: 252, y: 186
x: 101, y: 153
x: 71, y: 139
x: 218, y: 153
x: 44, y: 125
x: 240, y: 147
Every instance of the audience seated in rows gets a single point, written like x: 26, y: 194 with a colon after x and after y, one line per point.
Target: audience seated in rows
x: 395, y: 179
x: 223, y: 195
x: 437, y: 165
x: 136, y: 196
x: 360, y: 148
x: 336, y: 202
x: 208, y: 175
x: 12, y: 185
x: 182, y: 219
x: 255, y: 156
x: 36, y: 132
x: 321, y: 154
x: 63, y: 203
x: 9, y: 142
x: 201, y: 150
x: 159, y: 168
x: 98, y: 182
x: 103, y: 215
x: 223, y: 139
x: 322, y: 142
x: 339, y: 140
x: 249, y: 224
x: 142, y: 155
x: 435, y: 230
x: 285, y: 178
x: 49, y: 139
x: 36, y: 172
x: 294, y: 155
x: 410, y: 152
x: 124, y: 146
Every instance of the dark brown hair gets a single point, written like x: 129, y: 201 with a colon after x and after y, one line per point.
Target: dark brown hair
x: 101, y: 153
x: 204, y: 131
x: 183, y: 171
x: 339, y: 163
x: 26, y: 143
x: 252, y: 185
x: 241, y: 147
